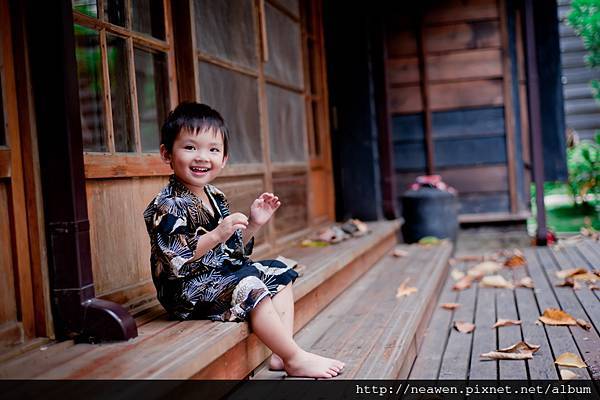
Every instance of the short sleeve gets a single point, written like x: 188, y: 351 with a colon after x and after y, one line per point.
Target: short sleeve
x: 167, y: 225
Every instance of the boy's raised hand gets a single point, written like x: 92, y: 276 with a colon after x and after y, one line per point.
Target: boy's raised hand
x: 230, y: 224
x: 263, y: 208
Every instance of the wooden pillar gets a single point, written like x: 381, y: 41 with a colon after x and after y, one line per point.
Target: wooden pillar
x: 535, y: 120
x: 56, y: 93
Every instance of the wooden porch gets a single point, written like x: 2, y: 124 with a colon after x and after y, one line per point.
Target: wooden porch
x: 449, y: 354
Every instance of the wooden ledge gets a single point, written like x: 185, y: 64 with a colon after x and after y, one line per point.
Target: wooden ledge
x: 203, y: 349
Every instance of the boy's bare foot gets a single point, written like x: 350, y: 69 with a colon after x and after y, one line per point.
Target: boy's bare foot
x: 275, y: 363
x: 309, y: 365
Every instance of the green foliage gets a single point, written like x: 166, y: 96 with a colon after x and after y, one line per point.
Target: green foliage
x: 585, y: 20
x: 583, y: 162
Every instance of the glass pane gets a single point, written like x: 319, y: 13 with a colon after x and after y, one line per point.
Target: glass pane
x: 291, y: 5
x: 148, y: 16
x: 114, y: 12
x: 285, y: 55
x: 151, y: 80
x: 235, y: 96
x: 286, y: 125
x: 89, y: 73
x: 87, y: 7
x: 215, y: 36
x: 120, y: 94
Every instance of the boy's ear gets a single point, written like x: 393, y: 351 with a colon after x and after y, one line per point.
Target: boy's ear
x: 224, y: 161
x: 164, y: 154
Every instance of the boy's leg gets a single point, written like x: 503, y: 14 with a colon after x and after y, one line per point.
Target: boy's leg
x: 284, y: 304
x: 269, y: 328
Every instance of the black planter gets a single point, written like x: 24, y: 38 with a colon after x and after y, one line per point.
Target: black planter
x: 429, y: 212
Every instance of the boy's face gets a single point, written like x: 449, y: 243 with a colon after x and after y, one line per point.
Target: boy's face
x: 197, y: 158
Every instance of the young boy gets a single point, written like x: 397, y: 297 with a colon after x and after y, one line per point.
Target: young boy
x: 199, y: 259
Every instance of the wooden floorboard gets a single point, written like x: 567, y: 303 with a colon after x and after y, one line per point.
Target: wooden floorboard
x: 367, y: 327
x: 457, y: 355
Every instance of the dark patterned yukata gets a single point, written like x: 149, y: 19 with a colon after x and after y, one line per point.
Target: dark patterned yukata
x: 222, y: 285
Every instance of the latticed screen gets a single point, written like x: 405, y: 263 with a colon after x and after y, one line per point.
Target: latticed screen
x: 121, y: 51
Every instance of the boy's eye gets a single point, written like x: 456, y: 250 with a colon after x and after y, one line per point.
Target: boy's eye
x: 215, y: 149
x: 189, y: 147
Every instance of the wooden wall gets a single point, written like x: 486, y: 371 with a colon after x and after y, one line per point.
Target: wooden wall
x: 449, y: 77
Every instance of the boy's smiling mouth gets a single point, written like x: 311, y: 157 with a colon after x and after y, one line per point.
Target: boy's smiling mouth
x: 200, y: 169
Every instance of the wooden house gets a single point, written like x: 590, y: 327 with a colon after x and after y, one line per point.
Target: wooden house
x: 335, y: 109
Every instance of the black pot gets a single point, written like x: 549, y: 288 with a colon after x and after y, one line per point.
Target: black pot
x: 429, y: 212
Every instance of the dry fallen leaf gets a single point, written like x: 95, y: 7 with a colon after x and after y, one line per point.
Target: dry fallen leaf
x: 567, y: 374
x: 554, y: 316
x: 569, y: 282
x: 450, y: 306
x: 400, y: 253
x: 584, y: 324
x: 463, y: 283
x: 567, y: 273
x: 457, y: 275
x: 593, y: 287
x: 506, y: 322
x: 516, y: 260
x: 586, y: 277
x: 518, y: 351
x: 496, y: 281
x: 486, y: 268
x: 467, y: 258
x: 526, y: 282
x: 464, y: 327
x: 404, y: 290
x: 570, y: 360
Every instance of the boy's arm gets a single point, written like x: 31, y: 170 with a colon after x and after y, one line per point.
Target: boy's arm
x: 250, y: 232
x: 220, y: 234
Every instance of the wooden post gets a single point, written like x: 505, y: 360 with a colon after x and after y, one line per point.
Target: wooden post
x: 535, y: 119
x: 56, y: 92
x: 429, y: 146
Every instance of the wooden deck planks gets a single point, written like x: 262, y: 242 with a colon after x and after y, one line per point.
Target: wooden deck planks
x: 456, y: 360
x: 578, y: 304
x: 560, y: 338
x: 428, y: 361
x: 484, y: 338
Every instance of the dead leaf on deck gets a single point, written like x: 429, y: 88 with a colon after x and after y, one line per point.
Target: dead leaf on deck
x: 463, y: 283
x: 464, y: 327
x: 496, y: 281
x: 450, y: 306
x: 399, y: 253
x: 567, y: 273
x: 570, y: 360
x: 516, y: 260
x: 486, y: 268
x: 593, y: 287
x: 569, y: 282
x: 554, y: 316
x: 506, y: 322
x: 586, y: 277
x: 518, y: 351
x: 404, y: 290
x: 526, y: 282
x: 567, y: 374
x: 584, y: 324
x: 313, y: 243
x: 457, y: 275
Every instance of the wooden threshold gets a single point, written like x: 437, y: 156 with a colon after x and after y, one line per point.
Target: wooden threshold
x: 493, y: 217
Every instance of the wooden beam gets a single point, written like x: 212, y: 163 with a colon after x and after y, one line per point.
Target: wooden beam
x: 5, y: 163
x: 17, y: 209
x: 423, y: 69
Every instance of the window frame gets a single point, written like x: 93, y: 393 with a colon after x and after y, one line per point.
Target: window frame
x: 113, y: 164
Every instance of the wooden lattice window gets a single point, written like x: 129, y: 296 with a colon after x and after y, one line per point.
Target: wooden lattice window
x: 125, y: 60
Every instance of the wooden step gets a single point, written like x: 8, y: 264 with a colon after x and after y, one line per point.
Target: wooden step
x: 375, y: 333
x: 203, y: 349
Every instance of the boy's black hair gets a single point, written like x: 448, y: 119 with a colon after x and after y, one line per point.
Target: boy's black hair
x: 194, y: 117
